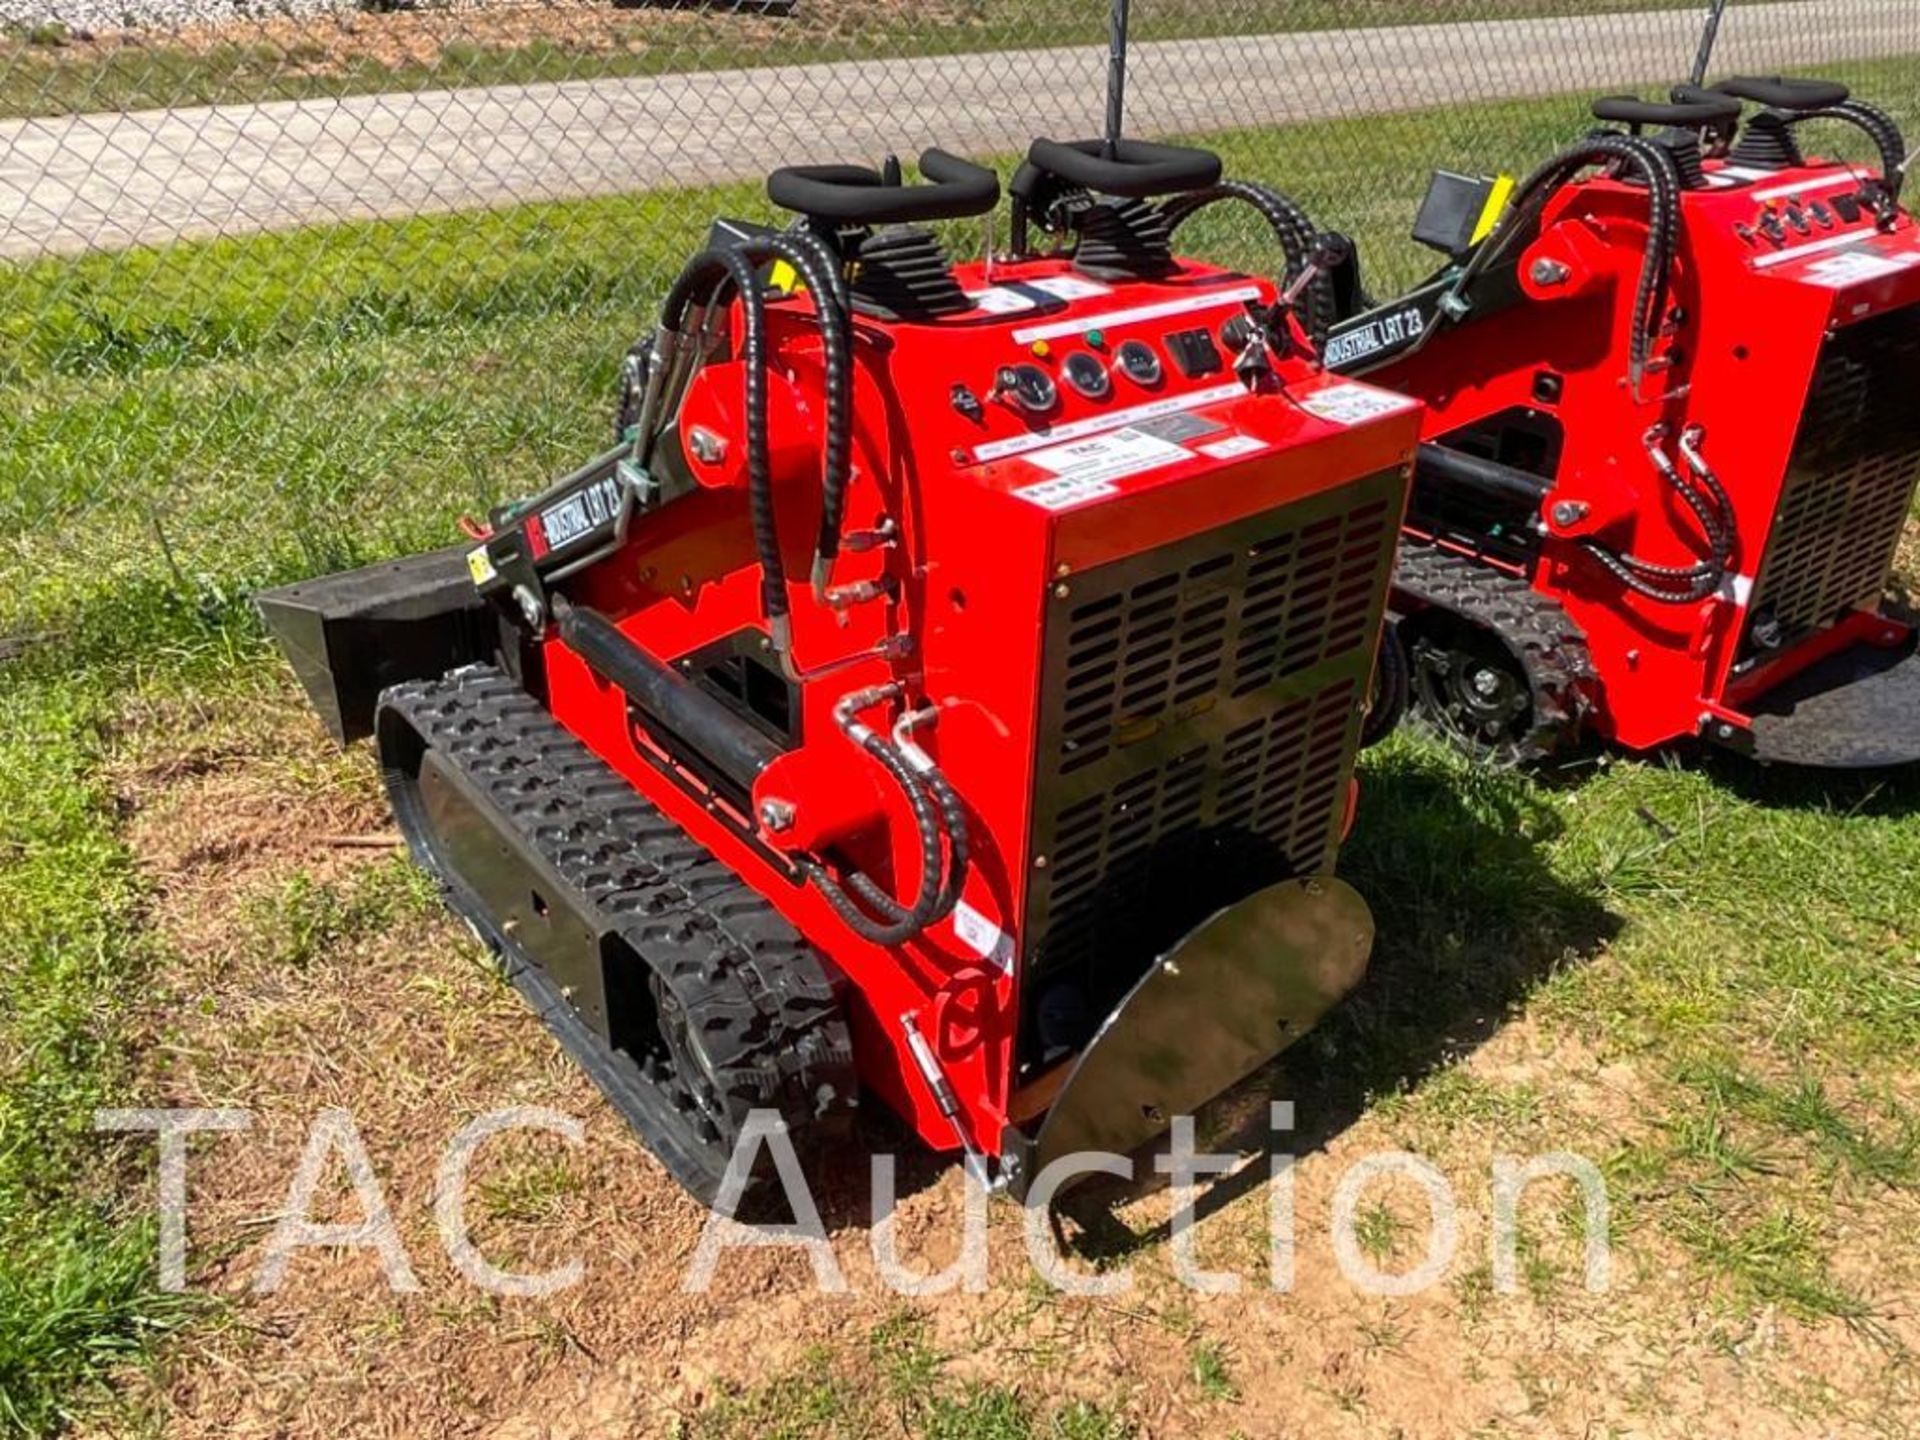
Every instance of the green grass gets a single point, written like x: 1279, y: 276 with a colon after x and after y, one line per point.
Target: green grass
x: 178, y: 426
x: 1213, y: 1372
x: 48, y: 71
x: 1737, y: 937
x: 195, y: 420
x: 77, y: 1263
x: 895, y: 1383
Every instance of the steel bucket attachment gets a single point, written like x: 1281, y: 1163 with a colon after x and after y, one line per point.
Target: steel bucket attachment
x: 1857, y: 710
x: 351, y: 635
x: 1212, y: 1010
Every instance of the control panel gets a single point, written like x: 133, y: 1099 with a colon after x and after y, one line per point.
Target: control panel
x: 1102, y: 351
x: 1785, y: 217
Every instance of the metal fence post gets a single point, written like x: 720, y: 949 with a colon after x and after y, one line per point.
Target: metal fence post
x: 1709, y: 36
x: 1119, y: 20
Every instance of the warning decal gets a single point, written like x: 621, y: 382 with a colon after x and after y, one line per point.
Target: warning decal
x: 1354, y: 404
x: 1840, y: 271
x: 1086, y: 469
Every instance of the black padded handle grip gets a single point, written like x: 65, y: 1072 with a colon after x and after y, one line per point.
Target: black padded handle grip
x: 1136, y: 170
x: 1690, y: 114
x: 855, y: 195
x: 1785, y: 92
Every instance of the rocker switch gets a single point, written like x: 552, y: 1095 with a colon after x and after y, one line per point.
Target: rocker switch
x: 1194, y: 353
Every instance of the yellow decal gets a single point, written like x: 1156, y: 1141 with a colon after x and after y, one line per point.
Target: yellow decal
x: 480, y: 566
x: 1496, y: 206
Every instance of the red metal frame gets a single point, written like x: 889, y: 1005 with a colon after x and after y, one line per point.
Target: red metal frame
x: 977, y: 562
x: 1755, y: 314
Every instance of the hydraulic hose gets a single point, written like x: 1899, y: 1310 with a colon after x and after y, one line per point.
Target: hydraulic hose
x: 1879, y: 126
x: 739, y: 272
x: 936, y: 811
x: 1675, y: 584
x: 1656, y: 167
x: 953, y: 815
x: 821, y: 270
x: 1291, y: 227
x: 705, y: 280
x: 904, y: 922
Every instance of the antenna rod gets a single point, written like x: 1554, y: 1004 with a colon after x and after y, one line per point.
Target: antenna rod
x: 1716, y: 9
x: 1117, y: 75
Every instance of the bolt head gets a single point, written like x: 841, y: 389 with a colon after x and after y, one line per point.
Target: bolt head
x: 707, y: 447
x: 777, y: 815
x: 1485, y: 682
x: 1569, y: 512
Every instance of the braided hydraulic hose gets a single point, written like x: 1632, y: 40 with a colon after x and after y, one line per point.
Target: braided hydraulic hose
x: 766, y: 534
x: 904, y: 922
x: 1291, y: 227
x: 1673, y: 584
x: 820, y: 268
x: 936, y: 809
x: 953, y: 816
x: 1656, y: 167
x: 704, y: 280
x: 1879, y: 126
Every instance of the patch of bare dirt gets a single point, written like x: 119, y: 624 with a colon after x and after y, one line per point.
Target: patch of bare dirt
x: 403, y: 1025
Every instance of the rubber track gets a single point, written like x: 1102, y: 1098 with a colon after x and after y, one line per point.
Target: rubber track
x: 1551, y: 649
x: 762, y: 999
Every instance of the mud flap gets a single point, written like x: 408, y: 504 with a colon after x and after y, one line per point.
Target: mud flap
x: 1225, y: 1000
x: 1857, y: 710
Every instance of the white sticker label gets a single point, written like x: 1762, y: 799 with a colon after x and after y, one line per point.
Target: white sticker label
x: 1354, y: 404
x: 1234, y: 448
x: 1067, y: 493
x: 1112, y: 456
x: 581, y: 513
x: 982, y: 936
x: 1000, y: 300
x: 1389, y: 332
x: 1070, y: 287
x: 1163, y: 310
x: 1031, y: 294
x: 1840, y: 271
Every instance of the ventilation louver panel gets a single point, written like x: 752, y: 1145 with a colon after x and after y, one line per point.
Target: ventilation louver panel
x: 1199, y: 716
x: 1850, y: 482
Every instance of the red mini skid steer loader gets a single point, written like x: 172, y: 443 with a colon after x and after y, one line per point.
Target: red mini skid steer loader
x: 947, y: 689
x: 1671, y: 437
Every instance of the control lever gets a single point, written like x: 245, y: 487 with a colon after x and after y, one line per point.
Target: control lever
x: 1330, y: 252
x: 1262, y: 334
x: 1253, y: 338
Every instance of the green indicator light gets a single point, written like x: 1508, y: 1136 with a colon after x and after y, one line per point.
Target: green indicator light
x: 1097, y: 339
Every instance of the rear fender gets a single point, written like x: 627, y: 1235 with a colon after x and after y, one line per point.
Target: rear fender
x: 1212, y: 1010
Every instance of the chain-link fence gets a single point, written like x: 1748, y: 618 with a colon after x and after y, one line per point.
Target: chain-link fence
x: 287, y: 285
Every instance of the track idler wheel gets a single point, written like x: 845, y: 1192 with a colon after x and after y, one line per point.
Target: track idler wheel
x: 1470, y: 688
x: 1496, y: 667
